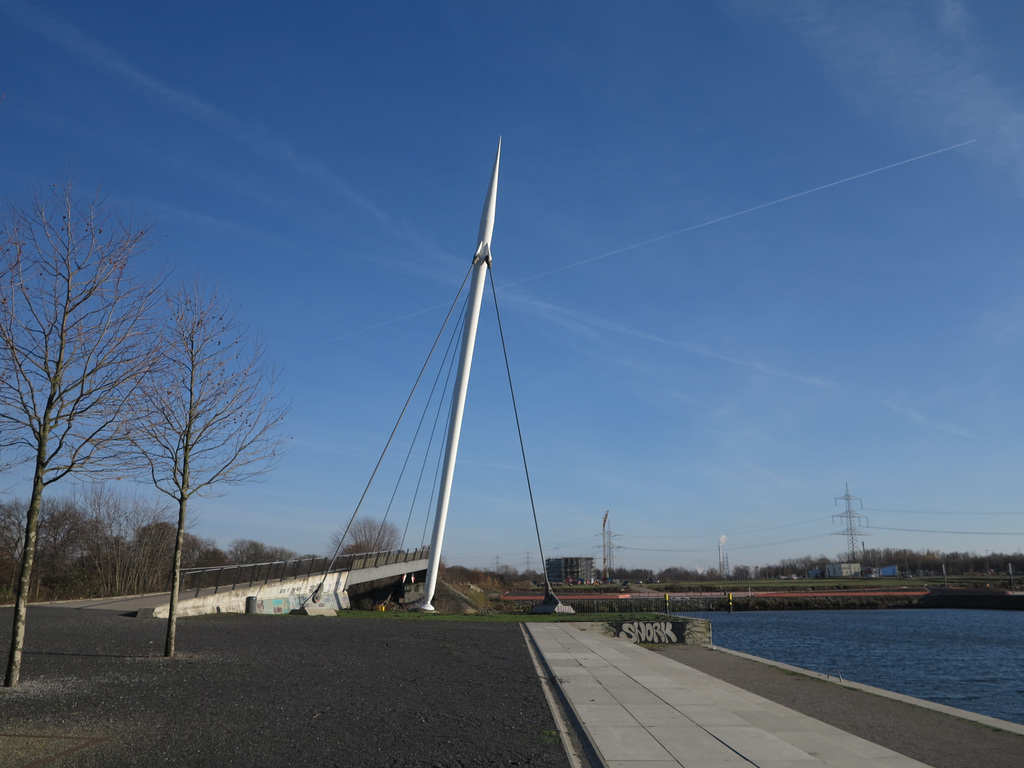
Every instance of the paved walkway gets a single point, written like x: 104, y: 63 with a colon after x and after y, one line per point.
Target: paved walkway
x: 638, y: 709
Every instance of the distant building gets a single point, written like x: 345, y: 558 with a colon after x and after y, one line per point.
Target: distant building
x: 842, y: 570
x: 570, y: 569
x: 889, y: 570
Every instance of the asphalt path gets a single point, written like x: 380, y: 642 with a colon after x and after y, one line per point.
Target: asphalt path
x: 252, y: 690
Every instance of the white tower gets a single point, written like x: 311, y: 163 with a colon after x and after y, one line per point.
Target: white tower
x: 481, y: 263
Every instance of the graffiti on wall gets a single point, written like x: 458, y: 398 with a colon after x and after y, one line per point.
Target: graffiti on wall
x: 278, y: 605
x: 648, y: 632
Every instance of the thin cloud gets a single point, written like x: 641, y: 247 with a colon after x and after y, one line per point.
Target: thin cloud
x: 256, y: 138
x: 594, y: 327
x: 1002, y: 325
x: 920, y: 64
x: 391, y: 321
x: 913, y: 414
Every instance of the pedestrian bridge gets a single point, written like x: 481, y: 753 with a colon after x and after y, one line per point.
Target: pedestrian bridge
x: 316, y: 584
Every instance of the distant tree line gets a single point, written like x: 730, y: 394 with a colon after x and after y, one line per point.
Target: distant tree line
x: 910, y: 563
x: 105, y: 543
x: 915, y: 563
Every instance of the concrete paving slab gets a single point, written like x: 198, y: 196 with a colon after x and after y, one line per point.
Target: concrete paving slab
x: 634, y: 694
x: 601, y: 715
x: 713, y: 716
x: 693, y: 746
x: 681, y: 697
x: 659, y: 714
x: 757, y: 745
x: 627, y: 743
x: 834, y: 744
x: 773, y: 720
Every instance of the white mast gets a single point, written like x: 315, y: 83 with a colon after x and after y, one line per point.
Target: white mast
x: 481, y: 263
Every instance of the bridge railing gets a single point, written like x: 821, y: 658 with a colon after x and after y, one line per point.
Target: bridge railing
x: 229, y: 577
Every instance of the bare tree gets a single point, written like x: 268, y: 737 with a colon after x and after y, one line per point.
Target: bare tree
x: 366, y: 535
x: 212, y: 412
x: 12, y: 539
x: 119, y: 548
x: 75, y: 340
x: 202, y: 553
x: 152, y: 556
x: 248, y: 551
x: 58, y: 548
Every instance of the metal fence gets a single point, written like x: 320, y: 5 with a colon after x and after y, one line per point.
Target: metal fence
x: 230, y: 577
x: 627, y: 605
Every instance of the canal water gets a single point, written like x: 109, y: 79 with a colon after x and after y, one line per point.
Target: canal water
x: 968, y: 659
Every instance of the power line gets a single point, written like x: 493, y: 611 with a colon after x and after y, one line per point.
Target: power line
x: 762, y: 544
x: 758, y: 545
x: 930, y: 512
x: 956, y: 533
x: 643, y: 549
x: 745, y: 530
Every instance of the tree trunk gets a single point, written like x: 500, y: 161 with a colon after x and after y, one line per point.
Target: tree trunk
x: 172, y: 613
x: 24, y: 581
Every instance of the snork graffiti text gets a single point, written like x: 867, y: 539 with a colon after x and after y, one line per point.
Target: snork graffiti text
x: 648, y: 632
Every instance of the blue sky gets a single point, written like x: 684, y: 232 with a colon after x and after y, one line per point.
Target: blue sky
x: 745, y: 253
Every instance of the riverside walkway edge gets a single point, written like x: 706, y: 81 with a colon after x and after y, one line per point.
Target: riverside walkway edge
x: 963, y: 714
x: 637, y: 709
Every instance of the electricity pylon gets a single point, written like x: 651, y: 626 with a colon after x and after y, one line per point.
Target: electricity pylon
x: 851, y: 520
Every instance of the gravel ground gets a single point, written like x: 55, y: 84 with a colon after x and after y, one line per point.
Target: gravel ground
x: 274, y: 691
x: 933, y: 738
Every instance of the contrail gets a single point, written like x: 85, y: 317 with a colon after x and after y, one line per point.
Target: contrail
x: 745, y: 211
x: 392, y: 321
x: 691, y: 228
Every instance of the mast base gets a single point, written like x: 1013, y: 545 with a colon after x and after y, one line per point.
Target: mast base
x: 551, y: 604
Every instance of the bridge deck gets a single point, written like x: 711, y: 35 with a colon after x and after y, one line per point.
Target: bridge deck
x: 231, y: 599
